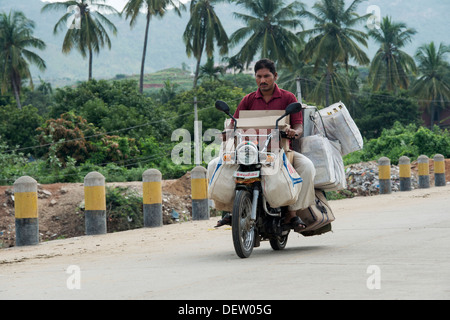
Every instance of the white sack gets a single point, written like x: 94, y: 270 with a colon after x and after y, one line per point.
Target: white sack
x: 327, y: 160
x: 281, y: 183
x: 339, y: 125
x: 221, y: 186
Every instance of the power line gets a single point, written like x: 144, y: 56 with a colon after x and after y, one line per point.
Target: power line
x: 101, y: 134
x: 317, y: 82
x: 123, y: 163
x: 358, y: 93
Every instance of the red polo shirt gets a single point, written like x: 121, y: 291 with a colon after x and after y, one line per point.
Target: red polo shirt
x: 279, y: 101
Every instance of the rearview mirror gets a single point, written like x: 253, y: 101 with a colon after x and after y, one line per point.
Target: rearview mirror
x: 293, y: 108
x: 290, y: 109
x: 222, y: 106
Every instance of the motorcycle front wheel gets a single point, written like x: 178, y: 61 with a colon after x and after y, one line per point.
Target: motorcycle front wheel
x: 242, y: 228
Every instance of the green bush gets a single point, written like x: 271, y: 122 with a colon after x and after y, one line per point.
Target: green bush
x: 380, y: 110
x: 114, y: 149
x: 115, y: 107
x: 18, y: 126
x: 433, y: 141
x: 124, y: 209
x: 11, y: 163
x: 403, y: 140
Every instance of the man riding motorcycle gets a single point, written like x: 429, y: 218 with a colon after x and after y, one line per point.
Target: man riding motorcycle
x: 270, y: 97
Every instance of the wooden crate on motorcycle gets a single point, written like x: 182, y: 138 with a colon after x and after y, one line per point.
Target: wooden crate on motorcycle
x: 264, y: 120
x: 317, y: 217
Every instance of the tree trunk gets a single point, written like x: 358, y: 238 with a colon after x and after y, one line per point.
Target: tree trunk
x: 197, y: 70
x: 90, y: 65
x: 432, y: 113
x: 327, y: 89
x: 16, y: 92
x: 144, y: 52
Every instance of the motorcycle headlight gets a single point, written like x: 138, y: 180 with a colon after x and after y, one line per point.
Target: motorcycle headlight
x: 247, y: 153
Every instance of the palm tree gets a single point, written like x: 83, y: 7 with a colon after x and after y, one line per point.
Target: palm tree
x: 16, y: 38
x: 304, y: 71
x: 152, y: 8
x: 333, y: 40
x: 203, y: 29
x: 233, y: 63
x: 314, y: 80
x: 390, y: 67
x: 90, y: 34
x: 168, y: 92
x: 210, y: 71
x: 433, y: 85
x: 268, y: 30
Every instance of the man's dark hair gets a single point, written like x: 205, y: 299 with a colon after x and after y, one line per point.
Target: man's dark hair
x: 265, y: 63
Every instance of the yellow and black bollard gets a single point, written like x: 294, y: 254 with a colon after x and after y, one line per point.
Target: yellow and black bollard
x: 424, y: 172
x: 384, y: 175
x: 199, y: 185
x: 439, y: 170
x: 26, y: 211
x: 152, y: 198
x: 404, y: 164
x: 95, y: 203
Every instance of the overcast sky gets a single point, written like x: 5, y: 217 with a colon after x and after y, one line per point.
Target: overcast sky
x: 117, y: 4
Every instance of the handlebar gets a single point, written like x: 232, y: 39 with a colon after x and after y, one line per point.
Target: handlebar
x: 283, y: 134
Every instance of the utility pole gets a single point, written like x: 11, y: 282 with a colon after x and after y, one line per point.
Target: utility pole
x: 299, y: 90
x: 197, y: 129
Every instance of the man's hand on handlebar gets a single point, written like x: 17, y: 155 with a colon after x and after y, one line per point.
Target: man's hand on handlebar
x: 292, y: 134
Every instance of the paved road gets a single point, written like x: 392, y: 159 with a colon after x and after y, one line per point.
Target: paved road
x: 382, y: 247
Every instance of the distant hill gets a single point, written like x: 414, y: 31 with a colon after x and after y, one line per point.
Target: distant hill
x: 166, y: 48
x: 153, y: 82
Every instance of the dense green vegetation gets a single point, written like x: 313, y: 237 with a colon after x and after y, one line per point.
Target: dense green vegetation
x: 106, y: 126
x: 400, y: 140
x: 121, y: 128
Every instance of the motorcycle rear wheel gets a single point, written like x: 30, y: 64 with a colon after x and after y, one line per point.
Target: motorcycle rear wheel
x: 279, y: 243
x: 243, y: 229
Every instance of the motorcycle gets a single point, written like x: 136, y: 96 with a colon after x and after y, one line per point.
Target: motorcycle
x: 252, y: 218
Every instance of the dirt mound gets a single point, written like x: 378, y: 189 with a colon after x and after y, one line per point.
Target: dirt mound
x: 61, y: 207
x: 178, y: 187
x: 60, y: 215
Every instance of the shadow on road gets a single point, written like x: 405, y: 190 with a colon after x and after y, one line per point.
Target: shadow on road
x: 266, y: 253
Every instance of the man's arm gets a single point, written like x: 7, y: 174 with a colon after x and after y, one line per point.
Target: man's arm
x: 296, y: 120
x: 296, y: 129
